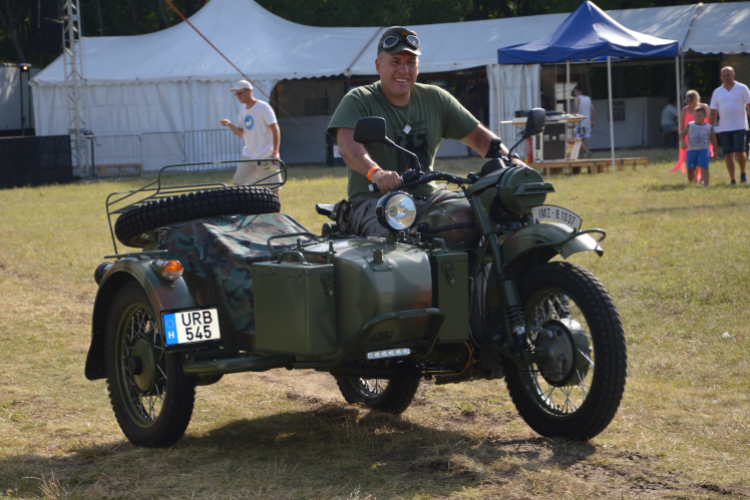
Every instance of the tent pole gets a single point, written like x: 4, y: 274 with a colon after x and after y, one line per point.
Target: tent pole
x: 677, y: 77
x: 567, y: 83
x: 611, y: 126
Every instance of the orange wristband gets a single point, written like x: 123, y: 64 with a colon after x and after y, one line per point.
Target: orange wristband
x: 273, y: 151
x: 370, y: 172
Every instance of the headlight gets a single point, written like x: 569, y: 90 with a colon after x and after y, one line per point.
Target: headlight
x: 396, y: 211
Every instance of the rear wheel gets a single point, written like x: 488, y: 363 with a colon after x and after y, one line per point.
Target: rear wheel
x: 151, y: 397
x: 392, y: 396
x: 576, y: 392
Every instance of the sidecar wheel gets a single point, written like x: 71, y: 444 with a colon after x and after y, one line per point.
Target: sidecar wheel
x: 392, y: 396
x: 230, y: 200
x: 151, y: 397
x: 576, y: 393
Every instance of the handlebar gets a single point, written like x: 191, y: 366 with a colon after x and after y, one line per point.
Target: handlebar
x: 425, y: 177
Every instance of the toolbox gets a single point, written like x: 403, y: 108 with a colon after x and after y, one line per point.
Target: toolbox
x: 295, y: 311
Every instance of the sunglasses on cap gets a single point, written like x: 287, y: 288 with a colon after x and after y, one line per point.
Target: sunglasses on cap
x: 392, y: 41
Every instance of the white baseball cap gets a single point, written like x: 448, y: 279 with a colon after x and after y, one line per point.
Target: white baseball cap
x: 241, y: 85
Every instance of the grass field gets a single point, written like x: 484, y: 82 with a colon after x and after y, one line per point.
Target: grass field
x: 677, y: 262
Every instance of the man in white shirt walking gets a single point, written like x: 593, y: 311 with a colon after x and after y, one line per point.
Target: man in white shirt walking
x: 257, y: 125
x: 730, y: 101
x: 583, y: 106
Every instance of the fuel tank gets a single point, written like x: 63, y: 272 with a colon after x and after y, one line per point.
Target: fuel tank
x: 452, y: 220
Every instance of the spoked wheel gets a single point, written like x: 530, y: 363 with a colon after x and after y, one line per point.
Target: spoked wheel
x: 576, y: 391
x: 392, y: 396
x: 151, y: 397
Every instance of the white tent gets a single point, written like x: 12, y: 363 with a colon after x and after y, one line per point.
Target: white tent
x: 173, y: 81
x: 719, y: 28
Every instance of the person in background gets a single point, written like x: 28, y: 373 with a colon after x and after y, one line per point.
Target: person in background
x: 584, y: 106
x: 701, y: 136
x: 692, y: 102
x: 257, y: 125
x: 669, y: 129
x: 731, y: 100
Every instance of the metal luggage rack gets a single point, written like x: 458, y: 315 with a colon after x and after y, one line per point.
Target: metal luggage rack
x: 156, y: 190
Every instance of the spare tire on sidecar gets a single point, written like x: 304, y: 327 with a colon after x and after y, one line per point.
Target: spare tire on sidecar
x: 230, y: 200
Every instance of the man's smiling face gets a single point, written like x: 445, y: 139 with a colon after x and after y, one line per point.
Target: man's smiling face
x: 398, y: 74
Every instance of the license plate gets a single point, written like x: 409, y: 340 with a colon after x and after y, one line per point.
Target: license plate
x: 553, y: 213
x: 191, y: 328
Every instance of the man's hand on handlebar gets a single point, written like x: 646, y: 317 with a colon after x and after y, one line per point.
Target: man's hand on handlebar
x: 386, y: 180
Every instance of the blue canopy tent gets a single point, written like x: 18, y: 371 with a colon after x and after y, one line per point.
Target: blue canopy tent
x: 589, y: 34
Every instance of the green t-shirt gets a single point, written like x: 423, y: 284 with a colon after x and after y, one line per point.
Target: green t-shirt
x: 432, y: 114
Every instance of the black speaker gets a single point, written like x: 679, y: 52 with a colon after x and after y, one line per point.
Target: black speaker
x: 46, y: 9
x: 47, y: 38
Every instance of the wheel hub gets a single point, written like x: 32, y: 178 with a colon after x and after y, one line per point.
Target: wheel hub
x: 142, y: 356
x: 557, y: 341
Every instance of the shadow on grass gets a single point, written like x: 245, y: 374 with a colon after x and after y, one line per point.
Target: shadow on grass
x: 305, y: 451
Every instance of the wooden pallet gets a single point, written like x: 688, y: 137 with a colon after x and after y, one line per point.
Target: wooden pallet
x: 118, y: 170
x: 592, y: 166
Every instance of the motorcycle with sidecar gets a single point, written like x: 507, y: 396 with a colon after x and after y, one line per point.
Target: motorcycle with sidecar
x: 462, y: 290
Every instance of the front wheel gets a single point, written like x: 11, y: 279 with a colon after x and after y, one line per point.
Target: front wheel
x: 392, y: 396
x: 576, y: 391
x: 151, y: 397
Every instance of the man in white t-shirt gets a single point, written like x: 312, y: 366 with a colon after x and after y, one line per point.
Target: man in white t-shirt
x: 257, y: 125
x: 583, y: 106
x: 730, y: 101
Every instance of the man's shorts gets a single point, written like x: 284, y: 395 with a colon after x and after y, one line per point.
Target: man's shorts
x: 733, y: 141
x: 698, y: 158
x: 668, y: 128
x: 253, y: 170
x: 583, y: 132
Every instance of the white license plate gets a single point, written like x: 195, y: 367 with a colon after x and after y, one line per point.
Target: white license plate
x: 553, y: 213
x: 192, y: 326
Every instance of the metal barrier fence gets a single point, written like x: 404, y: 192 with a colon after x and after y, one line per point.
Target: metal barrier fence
x: 115, y: 156
x: 130, y: 155
x: 212, y: 145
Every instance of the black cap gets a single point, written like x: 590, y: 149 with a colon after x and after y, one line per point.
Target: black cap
x: 402, y: 45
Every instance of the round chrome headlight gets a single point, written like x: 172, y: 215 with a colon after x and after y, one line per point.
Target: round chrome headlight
x: 396, y: 211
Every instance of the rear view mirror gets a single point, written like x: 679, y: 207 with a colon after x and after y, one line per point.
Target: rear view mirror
x: 370, y: 130
x: 535, y: 122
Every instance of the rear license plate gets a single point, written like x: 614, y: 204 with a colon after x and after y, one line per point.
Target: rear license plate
x: 553, y: 213
x: 191, y: 328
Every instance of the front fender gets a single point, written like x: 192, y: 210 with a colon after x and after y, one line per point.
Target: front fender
x: 534, y: 245
x: 164, y: 295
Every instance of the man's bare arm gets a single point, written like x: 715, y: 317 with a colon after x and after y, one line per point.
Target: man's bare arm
x: 479, y: 140
x: 358, y: 160
x: 239, y: 132
x: 276, y: 135
x: 712, y: 118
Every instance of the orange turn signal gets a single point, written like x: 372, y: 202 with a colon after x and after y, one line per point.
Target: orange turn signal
x: 171, y: 270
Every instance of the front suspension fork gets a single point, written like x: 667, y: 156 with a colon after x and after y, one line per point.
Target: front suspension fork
x: 516, y: 344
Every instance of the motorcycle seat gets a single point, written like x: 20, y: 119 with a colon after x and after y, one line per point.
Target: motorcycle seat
x: 324, y: 209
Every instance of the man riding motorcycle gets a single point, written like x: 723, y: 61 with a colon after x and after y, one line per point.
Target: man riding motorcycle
x: 417, y: 116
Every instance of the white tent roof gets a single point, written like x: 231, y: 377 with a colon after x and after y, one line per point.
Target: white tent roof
x: 455, y: 46
x: 267, y: 47
x: 720, y: 27
x: 261, y: 44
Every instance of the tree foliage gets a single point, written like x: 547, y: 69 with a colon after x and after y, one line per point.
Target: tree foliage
x: 132, y: 17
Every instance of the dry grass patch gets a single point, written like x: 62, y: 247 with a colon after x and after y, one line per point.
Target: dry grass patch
x: 676, y: 261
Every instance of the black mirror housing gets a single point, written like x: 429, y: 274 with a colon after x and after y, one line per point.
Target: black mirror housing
x: 370, y: 130
x: 535, y: 122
